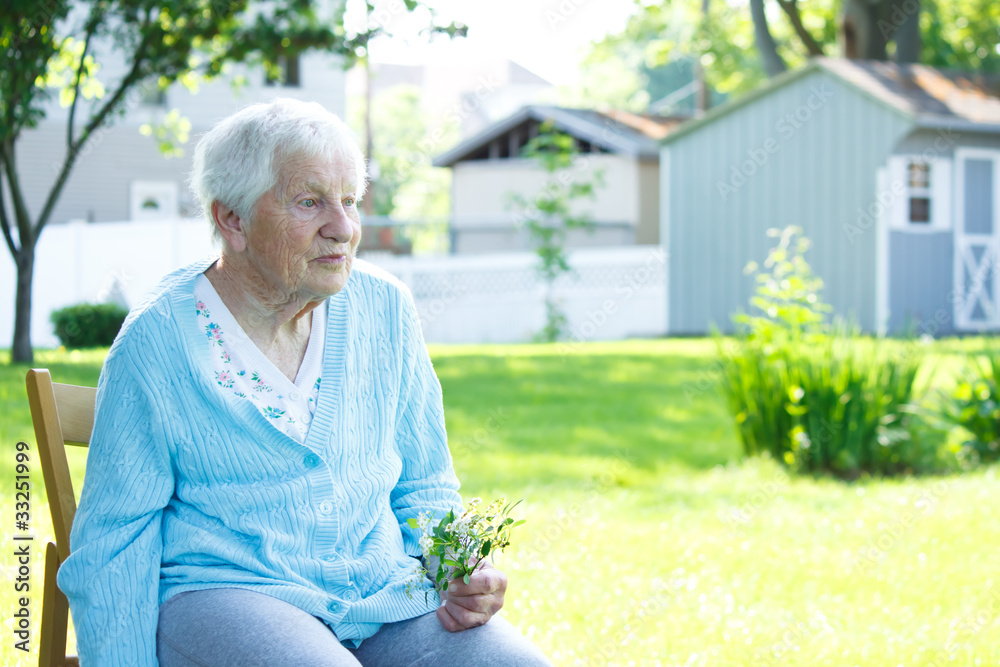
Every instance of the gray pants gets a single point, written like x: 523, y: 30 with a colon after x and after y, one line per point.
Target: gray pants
x: 233, y: 626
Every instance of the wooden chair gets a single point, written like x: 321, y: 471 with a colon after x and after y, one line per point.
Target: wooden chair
x: 63, y: 414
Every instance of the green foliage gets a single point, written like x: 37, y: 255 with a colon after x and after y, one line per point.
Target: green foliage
x: 457, y: 545
x: 88, y: 324
x: 973, y: 406
x: 555, y: 211
x: 787, y: 295
x: 961, y: 34
x: 818, y: 398
x: 958, y: 34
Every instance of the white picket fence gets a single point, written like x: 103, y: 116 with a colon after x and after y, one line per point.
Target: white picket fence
x: 613, y: 293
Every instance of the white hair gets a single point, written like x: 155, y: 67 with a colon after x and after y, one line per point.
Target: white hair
x: 240, y: 158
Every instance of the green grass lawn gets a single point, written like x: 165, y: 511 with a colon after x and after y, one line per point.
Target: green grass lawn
x: 649, y: 543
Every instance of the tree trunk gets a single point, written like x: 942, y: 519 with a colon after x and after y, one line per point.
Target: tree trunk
x: 863, y: 29
x: 766, y: 47
x: 908, y: 32
x: 21, y: 351
x: 703, y: 95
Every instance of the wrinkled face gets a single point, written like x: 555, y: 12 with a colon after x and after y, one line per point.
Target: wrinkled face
x: 307, y: 229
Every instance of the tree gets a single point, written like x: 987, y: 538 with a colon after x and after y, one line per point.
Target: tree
x: 49, y: 46
x: 554, y: 212
x: 739, y: 44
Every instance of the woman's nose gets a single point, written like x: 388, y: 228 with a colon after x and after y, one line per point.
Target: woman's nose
x: 338, y: 226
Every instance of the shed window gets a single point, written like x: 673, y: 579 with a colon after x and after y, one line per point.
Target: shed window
x: 919, y: 195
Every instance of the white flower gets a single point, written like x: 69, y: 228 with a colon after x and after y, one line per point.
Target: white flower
x: 425, y: 545
x: 460, y: 527
x: 423, y: 521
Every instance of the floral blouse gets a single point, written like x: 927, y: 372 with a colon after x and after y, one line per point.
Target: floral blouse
x: 240, y: 368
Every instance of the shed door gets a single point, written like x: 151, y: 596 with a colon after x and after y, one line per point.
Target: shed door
x: 977, y: 239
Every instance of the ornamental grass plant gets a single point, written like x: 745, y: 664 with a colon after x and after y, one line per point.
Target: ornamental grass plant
x: 816, y: 396
x: 973, y: 406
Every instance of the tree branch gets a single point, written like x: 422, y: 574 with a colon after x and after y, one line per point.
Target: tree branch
x: 95, y: 122
x: 91, y: 27
x: 766, y: 46
x: 4, y: 220
x: 791, y: 8
x: 20, y: 209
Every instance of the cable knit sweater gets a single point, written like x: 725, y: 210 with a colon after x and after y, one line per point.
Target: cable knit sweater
x: 187, y: 488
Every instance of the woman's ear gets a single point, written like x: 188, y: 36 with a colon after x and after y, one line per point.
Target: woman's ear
x: 231, y: 226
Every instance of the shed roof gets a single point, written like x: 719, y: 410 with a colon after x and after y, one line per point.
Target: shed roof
x: 928, y: 96
x: 614, y: 131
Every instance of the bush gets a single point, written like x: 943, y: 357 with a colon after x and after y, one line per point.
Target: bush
x: 88, y: 325
x: 814, y: 396
x: 974, y: 407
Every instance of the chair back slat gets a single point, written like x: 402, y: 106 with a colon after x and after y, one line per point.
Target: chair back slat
x: 76, y: 412
x: 59, y: 413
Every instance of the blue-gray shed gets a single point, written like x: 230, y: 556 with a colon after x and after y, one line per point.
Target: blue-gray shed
x: 893, y: 172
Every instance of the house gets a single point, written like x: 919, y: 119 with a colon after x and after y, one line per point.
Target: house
x: 121, y: 174
x: 892, y: 171
x: 487, y: 168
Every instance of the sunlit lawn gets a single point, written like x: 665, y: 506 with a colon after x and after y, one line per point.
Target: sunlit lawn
x: 649, y: 543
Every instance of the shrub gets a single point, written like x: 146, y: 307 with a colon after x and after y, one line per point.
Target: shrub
x: 88, y: 325
x: 974, y: 406
x: 815, y: 396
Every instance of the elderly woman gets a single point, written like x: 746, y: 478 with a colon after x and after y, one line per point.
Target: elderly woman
x: 267, y: 422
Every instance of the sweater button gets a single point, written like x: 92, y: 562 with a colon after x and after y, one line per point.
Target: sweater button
x: 311, y: 461
x: 326, y: 507
x: 334, y: 606
x: 351, y: 595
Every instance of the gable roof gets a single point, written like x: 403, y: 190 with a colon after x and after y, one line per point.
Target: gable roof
x: 614, y: 131
x: 927, y: 96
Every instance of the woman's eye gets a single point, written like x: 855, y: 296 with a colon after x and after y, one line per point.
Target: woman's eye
x: 350, y: 201
x: 308, y: 203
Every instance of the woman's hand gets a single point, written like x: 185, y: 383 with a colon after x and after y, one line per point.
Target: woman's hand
x: 473, y: 604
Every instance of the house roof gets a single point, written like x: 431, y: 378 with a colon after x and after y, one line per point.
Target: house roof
x: 928, y: 96
x: 614, y: 131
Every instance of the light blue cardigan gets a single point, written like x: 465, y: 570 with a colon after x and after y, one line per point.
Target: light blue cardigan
x: 187, y: 488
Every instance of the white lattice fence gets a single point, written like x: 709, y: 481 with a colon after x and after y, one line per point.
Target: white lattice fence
x: 615, y: 293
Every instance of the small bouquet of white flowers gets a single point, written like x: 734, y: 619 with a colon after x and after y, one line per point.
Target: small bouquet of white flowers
x: 456, y: 546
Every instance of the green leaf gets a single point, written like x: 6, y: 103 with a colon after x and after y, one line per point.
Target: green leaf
x: 466, y: 579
